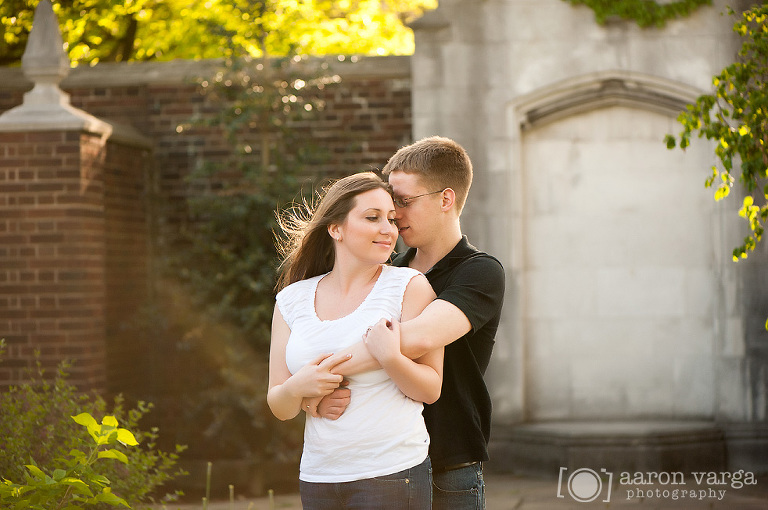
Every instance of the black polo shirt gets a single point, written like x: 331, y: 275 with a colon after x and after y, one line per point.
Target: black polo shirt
x: 459, y: 423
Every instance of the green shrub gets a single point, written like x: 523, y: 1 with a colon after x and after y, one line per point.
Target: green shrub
x: 36, y: 428
x: 74, y: 484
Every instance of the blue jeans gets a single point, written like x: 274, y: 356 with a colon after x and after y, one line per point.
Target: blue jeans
x: 459, y: 489
x: 410, y: 489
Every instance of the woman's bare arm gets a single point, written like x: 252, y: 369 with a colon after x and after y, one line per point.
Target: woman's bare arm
x: 286, y: 391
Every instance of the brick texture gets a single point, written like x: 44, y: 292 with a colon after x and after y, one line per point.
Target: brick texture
x: 75, y: 211
x: 52, y: 252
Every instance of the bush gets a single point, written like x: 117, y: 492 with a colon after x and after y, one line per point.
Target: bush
x: 75, y: 483
x: 36, y: 428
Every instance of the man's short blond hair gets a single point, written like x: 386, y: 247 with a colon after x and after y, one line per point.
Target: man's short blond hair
x: 440, y: 163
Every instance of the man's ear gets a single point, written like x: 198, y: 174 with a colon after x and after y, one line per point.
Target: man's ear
x: 448, y: 199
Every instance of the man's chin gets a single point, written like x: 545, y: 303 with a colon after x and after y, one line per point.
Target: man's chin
x: 405, y: 237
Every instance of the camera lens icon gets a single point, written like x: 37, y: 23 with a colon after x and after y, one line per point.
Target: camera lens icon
x: 584, y: 484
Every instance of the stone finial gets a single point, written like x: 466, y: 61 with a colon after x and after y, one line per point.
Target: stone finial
x: 44, y: 59
x: 45, y: 63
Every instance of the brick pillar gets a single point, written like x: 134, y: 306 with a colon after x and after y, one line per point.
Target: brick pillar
x: 52, y: 252
x: 74, y: 257
x: 70, y: 185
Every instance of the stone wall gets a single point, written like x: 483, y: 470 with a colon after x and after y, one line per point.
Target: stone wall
x: 623, y: 301
x: 623, y: 305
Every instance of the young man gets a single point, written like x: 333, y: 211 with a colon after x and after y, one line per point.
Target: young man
x: 430, y: 180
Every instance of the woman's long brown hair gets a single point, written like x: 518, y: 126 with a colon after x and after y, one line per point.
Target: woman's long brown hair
x: 305, y: 246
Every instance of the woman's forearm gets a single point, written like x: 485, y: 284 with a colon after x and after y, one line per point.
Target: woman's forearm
x: 284, y: 404
x: 361, y: 361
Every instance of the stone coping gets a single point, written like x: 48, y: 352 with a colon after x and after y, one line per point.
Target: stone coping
x: 110, y: 74
x: 67, y: 118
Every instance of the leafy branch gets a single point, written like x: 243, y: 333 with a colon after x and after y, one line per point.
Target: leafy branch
x: 735, y: 115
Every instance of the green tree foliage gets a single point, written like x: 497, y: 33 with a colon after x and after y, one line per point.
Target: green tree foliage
x: 646, y: 13
x: 224, y: 257
x: 227, y: 251
x: 735, y: 115
x: 124, y: 30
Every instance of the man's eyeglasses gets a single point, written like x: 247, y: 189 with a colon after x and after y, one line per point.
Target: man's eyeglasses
x: 406, y: 201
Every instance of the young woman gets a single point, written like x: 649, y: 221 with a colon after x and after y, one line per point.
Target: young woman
x: 334, y: 285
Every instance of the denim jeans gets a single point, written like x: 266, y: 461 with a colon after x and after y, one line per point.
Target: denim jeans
x: 410, y: 489
x: 459, y: 489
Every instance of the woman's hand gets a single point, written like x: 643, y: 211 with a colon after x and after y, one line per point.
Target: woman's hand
x: 315, y: 378
x: 383, y: 341
x: 312, y: 380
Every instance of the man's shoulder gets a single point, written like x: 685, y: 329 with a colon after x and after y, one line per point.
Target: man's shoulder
x: 474, y: 258
x: 465, y: 251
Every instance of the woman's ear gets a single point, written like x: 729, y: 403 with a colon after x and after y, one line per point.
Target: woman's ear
x: 448, y: 199
x: 334, y: 232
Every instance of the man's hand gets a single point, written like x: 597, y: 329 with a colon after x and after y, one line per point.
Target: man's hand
x: 331, y: 406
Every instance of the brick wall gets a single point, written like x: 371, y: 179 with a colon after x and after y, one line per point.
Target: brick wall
x: 127, y: 263
x: 74, y: 251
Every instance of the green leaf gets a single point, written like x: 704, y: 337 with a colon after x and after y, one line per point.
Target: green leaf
x: 97, y: 31
x: 78, y: 456
x: 670, y: 141
x: 722, y: 192
x: 114, y: 454
x: 36, y: 472
x: 126, y: 437
x: 100, y: 479
x: 78, y: 486
x: 109, y: 421
x: 107, y: 497
x: 89, y: 422
x: 85, y: 420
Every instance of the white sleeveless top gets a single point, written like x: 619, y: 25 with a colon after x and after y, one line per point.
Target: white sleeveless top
x: 382, y: 431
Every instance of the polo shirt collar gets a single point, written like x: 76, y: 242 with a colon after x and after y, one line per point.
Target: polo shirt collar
x: 460, y: 251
